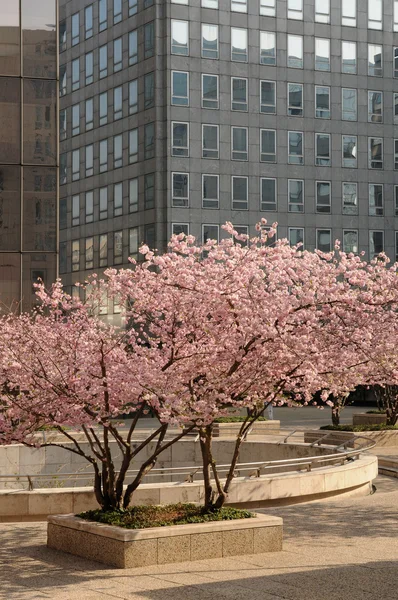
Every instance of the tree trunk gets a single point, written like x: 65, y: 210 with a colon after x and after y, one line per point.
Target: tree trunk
x: 336, y: 414
x: 205, y: 437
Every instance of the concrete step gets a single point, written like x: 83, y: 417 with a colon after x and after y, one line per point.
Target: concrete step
x: 388, y: 466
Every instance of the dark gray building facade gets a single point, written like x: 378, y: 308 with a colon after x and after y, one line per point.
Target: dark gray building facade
x: 28, y: 149
x: 181, y: 115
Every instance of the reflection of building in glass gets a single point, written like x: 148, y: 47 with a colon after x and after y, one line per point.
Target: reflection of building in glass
x: 28, y: 148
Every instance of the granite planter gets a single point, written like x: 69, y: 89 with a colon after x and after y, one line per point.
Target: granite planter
x: 368, y: 419
x: 129, y: 548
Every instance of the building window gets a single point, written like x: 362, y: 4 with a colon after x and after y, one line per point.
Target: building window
x: 89, y: 116
x: 89, y: 209
x: 118, y: 247
x: 239, y: 6
x: 296, y: 149
x: 180, y: 88
x: 239, y: 143
x: 89, y: 68
x: 133, y: 195
x: 295, y: 99
x: 103, y: 14
x: 268, y: 194
x: 348, y: 57
x: 239, y: 100
x: 209, y: 91
x: 103, y: 207
x: 76, y: 119
x: 240, y: 197
x: 133, y: 146
x: 177, y: 228
x: 296, y: 195
x: 75, y: 164
x: 350, y: 241
x: 103, y: 108
x: 117, y: 54
x: 349, y: 104
x: 395, y: 106
x: 396, y: 199
x: 375, y: 107
x: 63, y: 258
x: 322, y: 11
x: 103, y: 61
x: 350, y: 198
x: 180, y: 37
x: 75, y: 255
x: 75, y: 74
x: 376, y: 204
x: 62, y: 80
x: 239, y: 44
x: 322, y: 54
x: 295, y: 51
x: 62, y: 124
x: 296, y: 236
x: 376, y: 243
x: 89, y: 253
x: 210, y: 191
x: 209, y: 41
x: 117, y: 11
x: 375, y: 60
x: 322, y: 149
x: 149, y: 191
x: 88, y: 21
x: 268, y: 145
x: 267, y: 48
x: 103, y: 155
x: 322, y: 102
x: 210, y: 232
x: 133, y: 47
x: 149, y: 235
x: 103, y: 250
x: 75, y: 210
x: 75, y: 29
x: 395, y: 28
x: 149, y: 141
x: 395, y: 59
x: 133, y: 242
x: 210, y: 141
x: 267, y: 8
x: 323, y: 196
x: 133, y: 7
x: 149, y: 40
x: 62, y: 36
x: 180, y: 189
x: 350, y: 151
x: 375, y: 153
x: 118, y: 151
x: 63, y: 168
x: 396, y: 155
x: 133, y: 96
x: 268, y: 97
x: 118, y: 199
x: 295, y: 9
x: 180, y: 139
x: 208, y: 3
x: 324, y: 240
x: 117, y: 103
x: 89, y: 160
x: 349, y: 13
x: 375, y: 17
x: 149, y: 90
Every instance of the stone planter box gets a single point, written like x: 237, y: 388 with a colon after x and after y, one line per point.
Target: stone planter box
x: 127, y: 548
x: 368, y: 419
x: 232, y: 429
x: 387, y: 438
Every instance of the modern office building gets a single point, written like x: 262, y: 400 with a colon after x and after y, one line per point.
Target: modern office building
x: 28, y: 149
x: 178, y: 115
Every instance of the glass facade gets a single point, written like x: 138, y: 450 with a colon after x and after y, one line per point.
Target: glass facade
x: 28, y: 149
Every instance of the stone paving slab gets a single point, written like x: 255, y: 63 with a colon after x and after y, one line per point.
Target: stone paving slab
x: 345, y: 549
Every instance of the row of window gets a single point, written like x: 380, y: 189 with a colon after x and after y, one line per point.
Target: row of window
x: 117, y: 59
x: 321, y: 10
x: 97, y: 251
x: 103, y: 17
x: 268, y: 48
x: 239, y: 95
x: 268, y: 195
x: 123, y: 101
x: 83, y: 166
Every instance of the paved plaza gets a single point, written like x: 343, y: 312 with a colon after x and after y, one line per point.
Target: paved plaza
x: 334, y: 550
